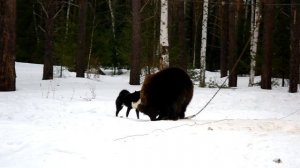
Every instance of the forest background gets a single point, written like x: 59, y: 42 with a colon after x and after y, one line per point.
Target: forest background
x: 99, y: 33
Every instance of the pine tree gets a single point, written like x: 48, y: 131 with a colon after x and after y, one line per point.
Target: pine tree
x: 295, y: 46
x: 232, y: 44
x: 224, y: 37
x: 183, y: 61
x: 7, y: 45
x: 49, y: 8
x: 114, y: 38
x: 81, y: 59
x: 197, y: 7
x: 66, y: 34
x: 268, y: 20
x: 136, y: 44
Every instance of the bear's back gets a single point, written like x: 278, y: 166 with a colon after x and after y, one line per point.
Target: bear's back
x: 167, y: 86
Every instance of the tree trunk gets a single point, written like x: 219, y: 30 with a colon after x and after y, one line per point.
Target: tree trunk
x: 34, y: 17
x: 81, y: 60
x: 183, y: 61
x: 213, y: 43
x: 91, y: 39
x: 194, y: 32
x: 255, y: 21
x: 224, y: 37
x: 156, y: 46
x: 268, y: 20
x: 164, y: 39
x: 232, y: 45
x: 65, y: 36
x: 197, y: 21
x: 136, y: 44
x: 203, y: 44
x: 49, y: 14
x: 295, y: 47
x: 114, y: 43
x: 7, y: 45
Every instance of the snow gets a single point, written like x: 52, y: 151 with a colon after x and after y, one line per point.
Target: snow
x: 70, y: 122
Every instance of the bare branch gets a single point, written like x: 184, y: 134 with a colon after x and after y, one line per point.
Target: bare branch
x: 43, y: 8
x: 141, y: 10
x: 56, y: 14
x: 42, y: 29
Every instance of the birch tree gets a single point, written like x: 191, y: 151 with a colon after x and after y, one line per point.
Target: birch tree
x: 164, y: 39
x: 112, y: 15
x: 255, y: 17
x: 7, y: 45
x: 203, y: 44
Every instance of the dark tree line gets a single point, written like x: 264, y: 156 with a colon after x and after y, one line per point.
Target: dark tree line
x: 81, y: 34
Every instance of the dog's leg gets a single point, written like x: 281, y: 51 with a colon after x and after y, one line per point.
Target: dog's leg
x: 119, y: 108
x: 128, y: 110
x: 137, y: 114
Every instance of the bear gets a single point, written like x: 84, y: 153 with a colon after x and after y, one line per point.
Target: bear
x: 166, y: 94
x: 126, y: 98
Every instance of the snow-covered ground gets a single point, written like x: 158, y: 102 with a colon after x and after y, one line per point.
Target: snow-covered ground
x: 70, y: 123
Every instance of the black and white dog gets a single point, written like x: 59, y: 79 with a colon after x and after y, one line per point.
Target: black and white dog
x: 129, y: 100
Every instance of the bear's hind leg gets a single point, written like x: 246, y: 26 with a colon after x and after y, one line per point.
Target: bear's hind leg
x: 182, y: 112
x: 169, y: 112
x: 175, y: 114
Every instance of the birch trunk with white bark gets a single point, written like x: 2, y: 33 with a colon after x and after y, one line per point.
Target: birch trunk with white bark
x: 112, y: 18
x: 203, y: 44
x: 255, y: 16
x: 164, y: 39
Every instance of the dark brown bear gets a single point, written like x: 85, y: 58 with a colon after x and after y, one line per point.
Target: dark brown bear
x: 166, y: 94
